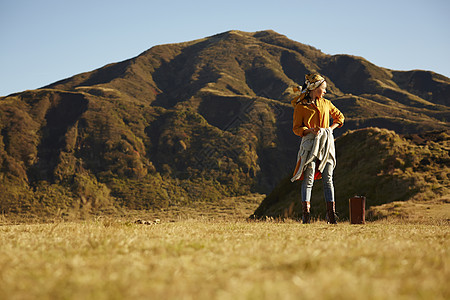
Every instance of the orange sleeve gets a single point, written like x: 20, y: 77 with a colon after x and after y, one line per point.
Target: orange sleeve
x: 298, y: 127
x: 336, y: 114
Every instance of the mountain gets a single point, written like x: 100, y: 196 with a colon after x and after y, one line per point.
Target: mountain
x: 193, y: 121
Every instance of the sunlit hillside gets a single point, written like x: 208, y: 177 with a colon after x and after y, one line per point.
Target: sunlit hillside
x: 199, y: 121
x: 375, y: 163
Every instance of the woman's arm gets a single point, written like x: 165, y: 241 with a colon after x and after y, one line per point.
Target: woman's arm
x: 298, y: 127
x: 338, y: 117
x: 334, y: 126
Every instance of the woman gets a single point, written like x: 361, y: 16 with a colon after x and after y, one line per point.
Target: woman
x: 316, y: 157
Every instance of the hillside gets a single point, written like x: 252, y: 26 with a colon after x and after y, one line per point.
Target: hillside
x: 189, y: 122
x: 378, y: 164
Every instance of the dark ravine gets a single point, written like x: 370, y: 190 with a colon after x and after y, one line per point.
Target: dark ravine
x: 193, y: 121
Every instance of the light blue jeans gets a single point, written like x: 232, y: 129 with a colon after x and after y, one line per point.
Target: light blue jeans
x: 308, y: 182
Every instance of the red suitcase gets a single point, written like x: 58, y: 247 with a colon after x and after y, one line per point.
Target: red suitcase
x: 357, y: 207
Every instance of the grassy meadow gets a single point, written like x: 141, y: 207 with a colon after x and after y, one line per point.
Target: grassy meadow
x: 207, y: 257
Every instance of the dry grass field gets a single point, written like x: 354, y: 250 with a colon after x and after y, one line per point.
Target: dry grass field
x: 219, y: 257
x: 197, y: 259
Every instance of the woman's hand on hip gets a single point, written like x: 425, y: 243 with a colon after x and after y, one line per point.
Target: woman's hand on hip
x: 334, y: 126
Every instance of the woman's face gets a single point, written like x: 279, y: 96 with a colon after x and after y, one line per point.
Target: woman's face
x: 320, y: 91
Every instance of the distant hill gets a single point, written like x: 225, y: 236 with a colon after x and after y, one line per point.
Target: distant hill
x: 190, y: 122
x: 378, y: 164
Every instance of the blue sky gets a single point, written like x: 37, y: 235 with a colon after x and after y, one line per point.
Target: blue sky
x: 42, y: 41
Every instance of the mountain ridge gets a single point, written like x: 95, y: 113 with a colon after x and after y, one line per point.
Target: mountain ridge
x: 189, y: 121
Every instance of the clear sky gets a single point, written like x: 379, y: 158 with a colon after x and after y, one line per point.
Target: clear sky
x: 42, y: 41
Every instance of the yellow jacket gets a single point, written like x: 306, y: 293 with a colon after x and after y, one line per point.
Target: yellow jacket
x: 311, y: 116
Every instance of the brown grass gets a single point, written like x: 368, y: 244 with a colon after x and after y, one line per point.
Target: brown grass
x: 200, y: 259
x: 212, y: 252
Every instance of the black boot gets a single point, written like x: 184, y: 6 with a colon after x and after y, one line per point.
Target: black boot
x: 331, y: 212
x: 306, y: 212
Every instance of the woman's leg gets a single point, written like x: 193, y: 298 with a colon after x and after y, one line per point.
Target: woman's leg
x: 307, y: 184
x: 328, y: 189
x: 308, y: 181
